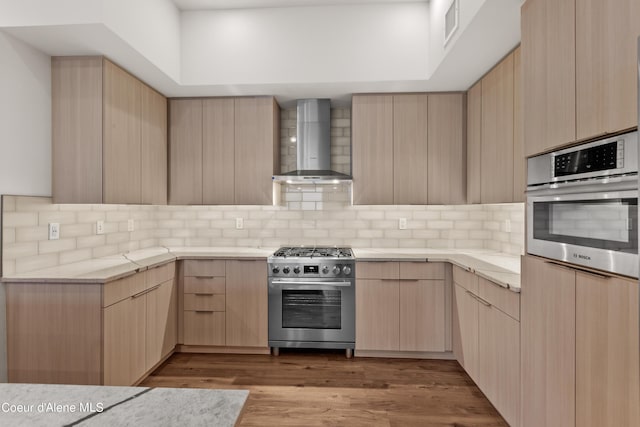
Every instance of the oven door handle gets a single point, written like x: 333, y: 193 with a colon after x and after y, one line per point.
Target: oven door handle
x: 282, y: 282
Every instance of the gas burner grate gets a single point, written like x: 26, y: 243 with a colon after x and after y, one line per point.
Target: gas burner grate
x: 311, y: 252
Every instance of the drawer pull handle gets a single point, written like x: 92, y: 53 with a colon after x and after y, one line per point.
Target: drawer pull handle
x: 204, y: 277
x: 146, y: 291
x: 480, y: 300
x: 203, y: 294
x: 581, y: 270
x: 203, y: 311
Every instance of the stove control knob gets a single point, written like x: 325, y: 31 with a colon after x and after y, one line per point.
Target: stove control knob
x: 336, y: 269
x: 346, y: 270
x: 276, y: 270
x: 296, y: 270
x: 325, y: 269
x: 286, y: 270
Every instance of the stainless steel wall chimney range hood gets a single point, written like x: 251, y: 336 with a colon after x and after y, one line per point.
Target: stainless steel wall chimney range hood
x: 314, y: 146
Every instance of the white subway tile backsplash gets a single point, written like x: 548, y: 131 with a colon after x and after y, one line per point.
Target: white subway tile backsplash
x: 329, y: 222
x: 51, y: 246
x: 31, y: 234
x: 19, y: 219
x: 36, y: 262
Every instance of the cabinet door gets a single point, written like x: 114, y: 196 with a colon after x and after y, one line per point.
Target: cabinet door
x: 204, y: 327
x: 606, y: 66
x: 548, y: 328
x: 246, y: 304
x: 446, y: 158
x: 410, y: 136
x: 154, y: 147
x: 549, y: 72
x: 422, y: 318
x: 465, y: 330
x: 185, y: 152
x: 257, y: 153
x: 76, y: 131
x: 372, y: 149
x: 519, y: 160
x: 499, y: 361
x: 218, y: 130
x: 474, y: 139
x: 607, y: 360
x: 162, y: 322
x: 497, y: 134
x: 117, y: 320
x: 121, y: 144
x: 377, y: 315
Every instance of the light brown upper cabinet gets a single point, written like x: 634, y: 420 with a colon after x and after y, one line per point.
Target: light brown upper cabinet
x: 579, y: 69
x: 474, y: 141
x: 409, y: 149
x: 185, y: 151
x: 497, y: 134
x: 606, y: 67
x: 109, y: 134
x: 495, y: 158
x: 372, y: 149
x: 446, y: 158
x: 224, y: 151
x: 549, y: 74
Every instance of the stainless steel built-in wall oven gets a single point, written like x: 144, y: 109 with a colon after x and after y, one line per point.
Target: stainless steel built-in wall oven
x: 582, y: 205
x: 312, y: 298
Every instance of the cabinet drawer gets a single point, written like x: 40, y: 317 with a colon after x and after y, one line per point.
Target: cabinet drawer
x: 377, y: 270
x: 204, y: 285
x: 422, y: 270
x: 208, y: 268
x: 502, y: 298
x: 160, y: 274
x: 467, y: 280
x: 204, y: 302
x: 204, y: 328
x: 120, y: 289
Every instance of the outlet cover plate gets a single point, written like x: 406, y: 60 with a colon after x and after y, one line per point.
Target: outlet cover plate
x: 54, y: 231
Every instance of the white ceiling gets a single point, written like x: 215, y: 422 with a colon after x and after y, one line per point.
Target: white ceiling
x: 290, y: 52
x: 254, y: 4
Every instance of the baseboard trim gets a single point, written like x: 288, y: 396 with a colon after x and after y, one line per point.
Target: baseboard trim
x: 406, y: 354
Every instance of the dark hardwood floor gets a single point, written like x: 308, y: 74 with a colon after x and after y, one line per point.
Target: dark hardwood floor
x: 325, y: 389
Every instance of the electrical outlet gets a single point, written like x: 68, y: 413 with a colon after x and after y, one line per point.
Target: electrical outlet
x: 54, y: 231
x: 239, y: 223
x: 507, y: 226
x: 130, y: 225
x: 100, y: 227
x: 402, y: 223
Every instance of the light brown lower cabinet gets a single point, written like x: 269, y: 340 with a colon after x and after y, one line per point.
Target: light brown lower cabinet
x: 91, y: 333
x: 225, y: 303
x: 401, y: 306
x: 580, y: 349
x: 486, y: 339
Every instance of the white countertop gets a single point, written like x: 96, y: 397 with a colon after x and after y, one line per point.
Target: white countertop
x: 500, y: 268
x: 61, y: 405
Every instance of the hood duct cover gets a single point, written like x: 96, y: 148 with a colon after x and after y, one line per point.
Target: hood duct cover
x: 313, y: 145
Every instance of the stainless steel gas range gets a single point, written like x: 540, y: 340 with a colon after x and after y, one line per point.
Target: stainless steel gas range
x: 312, y: 298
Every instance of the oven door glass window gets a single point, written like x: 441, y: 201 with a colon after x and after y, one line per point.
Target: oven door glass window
x: 311, y: 309
x: 602, y: 224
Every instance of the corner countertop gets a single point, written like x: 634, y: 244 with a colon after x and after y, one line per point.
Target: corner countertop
x: 61, y: 405
x: 503, y: 269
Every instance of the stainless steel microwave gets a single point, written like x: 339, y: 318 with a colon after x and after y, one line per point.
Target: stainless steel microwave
x: 582, y: 205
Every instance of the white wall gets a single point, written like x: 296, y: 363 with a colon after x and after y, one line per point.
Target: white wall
x: 351, y: 43
x: 152, y: 27
x: 48, y: 12
x: 438, y: 8
x: 25, y: 133
x: 25, y: 119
